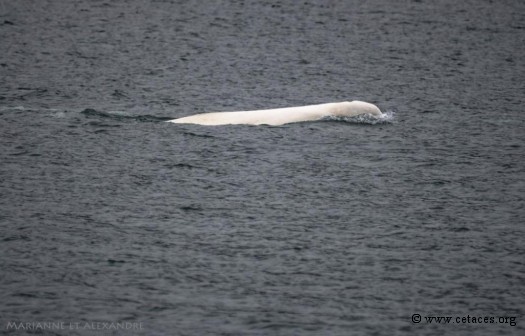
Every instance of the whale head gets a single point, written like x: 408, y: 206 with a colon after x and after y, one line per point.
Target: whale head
x: 355, y: 107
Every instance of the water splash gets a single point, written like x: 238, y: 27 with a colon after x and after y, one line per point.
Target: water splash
x: 386, y: 117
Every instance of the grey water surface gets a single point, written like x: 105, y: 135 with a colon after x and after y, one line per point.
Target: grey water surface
x: 109, y: 214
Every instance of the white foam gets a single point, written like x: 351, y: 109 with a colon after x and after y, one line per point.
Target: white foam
x: 384, y: 118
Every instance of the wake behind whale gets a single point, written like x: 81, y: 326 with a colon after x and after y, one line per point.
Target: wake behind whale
x: 281, y: 116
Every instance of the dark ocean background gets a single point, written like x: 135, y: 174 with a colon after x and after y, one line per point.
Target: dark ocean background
x: 109, y: 214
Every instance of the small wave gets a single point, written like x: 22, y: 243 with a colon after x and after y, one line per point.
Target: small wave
x: 385, y: 118
x: 122, y: 116
x: 13, y: 108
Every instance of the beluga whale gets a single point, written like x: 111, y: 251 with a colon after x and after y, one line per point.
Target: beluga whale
x: 281, y: 116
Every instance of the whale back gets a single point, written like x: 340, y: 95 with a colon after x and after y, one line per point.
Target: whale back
x: 356, y: 107
x: 281, y: 116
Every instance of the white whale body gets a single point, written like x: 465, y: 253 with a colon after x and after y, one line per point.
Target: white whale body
x: 281, y: 116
